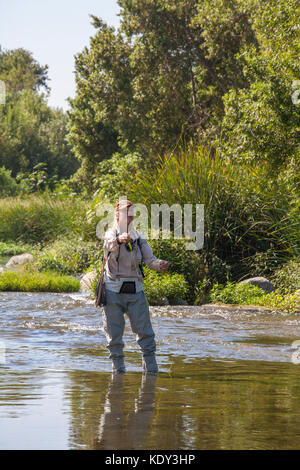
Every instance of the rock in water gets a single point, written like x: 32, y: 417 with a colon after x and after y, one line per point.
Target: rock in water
x: 261, y: 282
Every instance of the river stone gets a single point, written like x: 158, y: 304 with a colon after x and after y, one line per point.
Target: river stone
x: 260, y: 282
x: 87, y: 280
x: 19, y: 259
x: 160, y: 301
x: 178, y: 302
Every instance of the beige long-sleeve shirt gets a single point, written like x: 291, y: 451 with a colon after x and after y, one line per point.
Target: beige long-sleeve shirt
x: 123, y: 263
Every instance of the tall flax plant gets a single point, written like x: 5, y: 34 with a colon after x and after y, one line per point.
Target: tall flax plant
x: 245, y: 213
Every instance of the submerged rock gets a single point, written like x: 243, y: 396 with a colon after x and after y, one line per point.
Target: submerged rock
x: 260, y: 282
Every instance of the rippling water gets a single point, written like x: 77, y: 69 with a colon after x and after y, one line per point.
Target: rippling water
x: 226, y: 378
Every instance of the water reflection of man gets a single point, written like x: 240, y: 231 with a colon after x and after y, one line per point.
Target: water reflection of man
x: 121, y: 430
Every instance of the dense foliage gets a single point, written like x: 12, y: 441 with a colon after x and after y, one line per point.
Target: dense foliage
x: 186, y: 102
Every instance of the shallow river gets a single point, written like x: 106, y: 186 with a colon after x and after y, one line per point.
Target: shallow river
x: 229, y: 379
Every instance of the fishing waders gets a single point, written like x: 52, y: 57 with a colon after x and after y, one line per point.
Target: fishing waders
x: 136, y: 307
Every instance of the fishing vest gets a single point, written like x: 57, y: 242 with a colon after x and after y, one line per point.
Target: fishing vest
x: 140, y: 265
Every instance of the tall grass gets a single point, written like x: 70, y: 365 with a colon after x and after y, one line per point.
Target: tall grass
x: 41, y: 219
x: 246, y: 214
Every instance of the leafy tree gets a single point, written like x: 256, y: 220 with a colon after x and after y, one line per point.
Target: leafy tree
x: 20, y: 71
x: 102, y: 87
x: 163, y: 73
x: 61, y: 160
x: 21, y: 145
x: 31, y: 132
x: 38, y: 179
x: 115, y: 175
x: 261, y: 122
x: 184, y: 61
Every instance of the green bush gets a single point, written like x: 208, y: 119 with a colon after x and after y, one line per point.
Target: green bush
x: 286, y: 301
x: 189, y: 263
x: 248, y: 294
x: 172, y: 286
x: 68, y: 256
x: 8, y: 185
x: 113, y: 176
x: 287, y: 277
x: 11, y: 248
x: 233, y: 293
x: 31, y: 281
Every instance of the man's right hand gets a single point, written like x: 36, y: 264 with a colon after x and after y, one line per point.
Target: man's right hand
x: 124, y: 237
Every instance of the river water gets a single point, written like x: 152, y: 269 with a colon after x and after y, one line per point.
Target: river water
x: 229, y: 378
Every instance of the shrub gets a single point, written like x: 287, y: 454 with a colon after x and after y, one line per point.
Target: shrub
x: 287, y: 277
x: 8, y: 185
x: 12, y: 248
x: 114, y: 175
x: 189, y: 263
x: 233, y: 293
x: 68, y: 256
x: 246, y: 294
x: 156, y: 285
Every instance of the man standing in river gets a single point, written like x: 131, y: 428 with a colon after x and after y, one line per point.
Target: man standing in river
x: 125, y: 249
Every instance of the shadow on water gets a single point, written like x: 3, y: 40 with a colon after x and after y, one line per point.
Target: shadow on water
x: 226, y: 382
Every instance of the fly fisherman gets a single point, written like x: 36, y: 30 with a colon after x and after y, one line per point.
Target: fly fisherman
x: 126, y: 248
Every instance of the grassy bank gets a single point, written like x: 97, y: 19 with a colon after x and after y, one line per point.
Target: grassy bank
x: 74, y: 257
x: 30, y: 281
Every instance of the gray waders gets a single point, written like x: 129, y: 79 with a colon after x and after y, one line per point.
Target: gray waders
x: 137, y: 309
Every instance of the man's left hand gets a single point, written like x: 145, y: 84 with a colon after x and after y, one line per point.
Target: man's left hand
x: 164, y: 265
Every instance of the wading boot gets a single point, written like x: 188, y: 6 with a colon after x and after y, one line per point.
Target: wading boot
x: 118, y: 365
x: 150, y: 365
